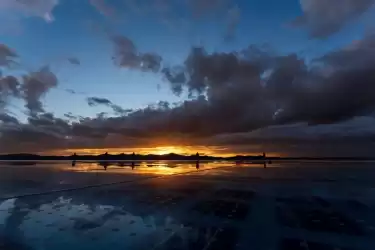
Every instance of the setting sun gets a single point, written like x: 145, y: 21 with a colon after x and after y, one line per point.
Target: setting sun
x: 167, y: 150
x: 158, y: 150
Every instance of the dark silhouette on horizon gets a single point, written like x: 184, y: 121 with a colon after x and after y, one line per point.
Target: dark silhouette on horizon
x: 197, y: 160
x: 74, y: 159
x: 30, y: 158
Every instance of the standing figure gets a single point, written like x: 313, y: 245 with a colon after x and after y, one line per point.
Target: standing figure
x: 197, y: 161
x: 74, y: 159
x: 133, y: 159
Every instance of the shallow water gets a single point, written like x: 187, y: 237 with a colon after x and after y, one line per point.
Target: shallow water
x: 174, y: 205
x: 18, y: 180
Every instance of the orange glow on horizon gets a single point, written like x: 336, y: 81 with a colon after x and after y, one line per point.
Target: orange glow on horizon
x: 162, y: 150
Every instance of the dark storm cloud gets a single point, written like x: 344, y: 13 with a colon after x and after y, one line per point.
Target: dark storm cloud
x: 8, y: 119
x: 50, y: 124
x: 9, y: 84
x: 325, y: 17
x: 95, y: 101
x: 346, y: 91
x: 9, y: 87
x: 70, y: 116
x: 359, y: 129
x: 359, y: 54
x: 355, y: 137
x: 127, y: 56
x: 35, y: 85
x: 240, y: 98
x: 119, y: 110
x: 7, y: 56
x: 74, y: 61
x: 292, y: 92
x: 175, y: 76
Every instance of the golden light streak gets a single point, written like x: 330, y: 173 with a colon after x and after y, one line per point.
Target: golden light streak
x: 159, y: 150
x: 162, y: 150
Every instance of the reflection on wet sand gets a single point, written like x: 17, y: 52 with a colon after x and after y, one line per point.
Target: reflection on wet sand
x: 157, y: 167
x: 92, y: 220
x: 228, y: 207
x: 25, y: 180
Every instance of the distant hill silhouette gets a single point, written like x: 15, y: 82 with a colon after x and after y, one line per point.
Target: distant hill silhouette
x: 172, y: 156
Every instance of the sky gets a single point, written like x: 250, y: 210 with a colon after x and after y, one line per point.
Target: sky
x: 223, y: 77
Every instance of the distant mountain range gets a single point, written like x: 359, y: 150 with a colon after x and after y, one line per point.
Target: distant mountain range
x: 139, y: 157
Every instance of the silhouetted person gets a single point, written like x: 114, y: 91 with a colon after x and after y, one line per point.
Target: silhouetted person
x: 264, y: 164
x: 264, y: 155
x: 74, y: 159
x: 133, y: 159
x: 197, y: 160
x: 104, y: 164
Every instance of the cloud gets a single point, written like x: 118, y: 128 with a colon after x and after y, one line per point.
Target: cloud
x: 9, y: 87
x: 8, y: 119
x: 35, y: 85
x: 74, y: 61
x: 175, y: 76
x: 355, y: 137
x: 31, y: 8
x: 326, y: 17
x: 239, y: 100
x: 293, y: 91
x: 7, y: 56
x: 127, y: 56
x: 356, y: 55
x: 70, y: 116
x: 96, y: 101
x: 346, y: 92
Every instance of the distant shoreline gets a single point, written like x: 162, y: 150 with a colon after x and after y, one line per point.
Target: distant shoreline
x: 170, y: 157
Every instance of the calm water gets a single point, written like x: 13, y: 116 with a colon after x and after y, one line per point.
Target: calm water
x: 174, y: 205
x: 18, y: 180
